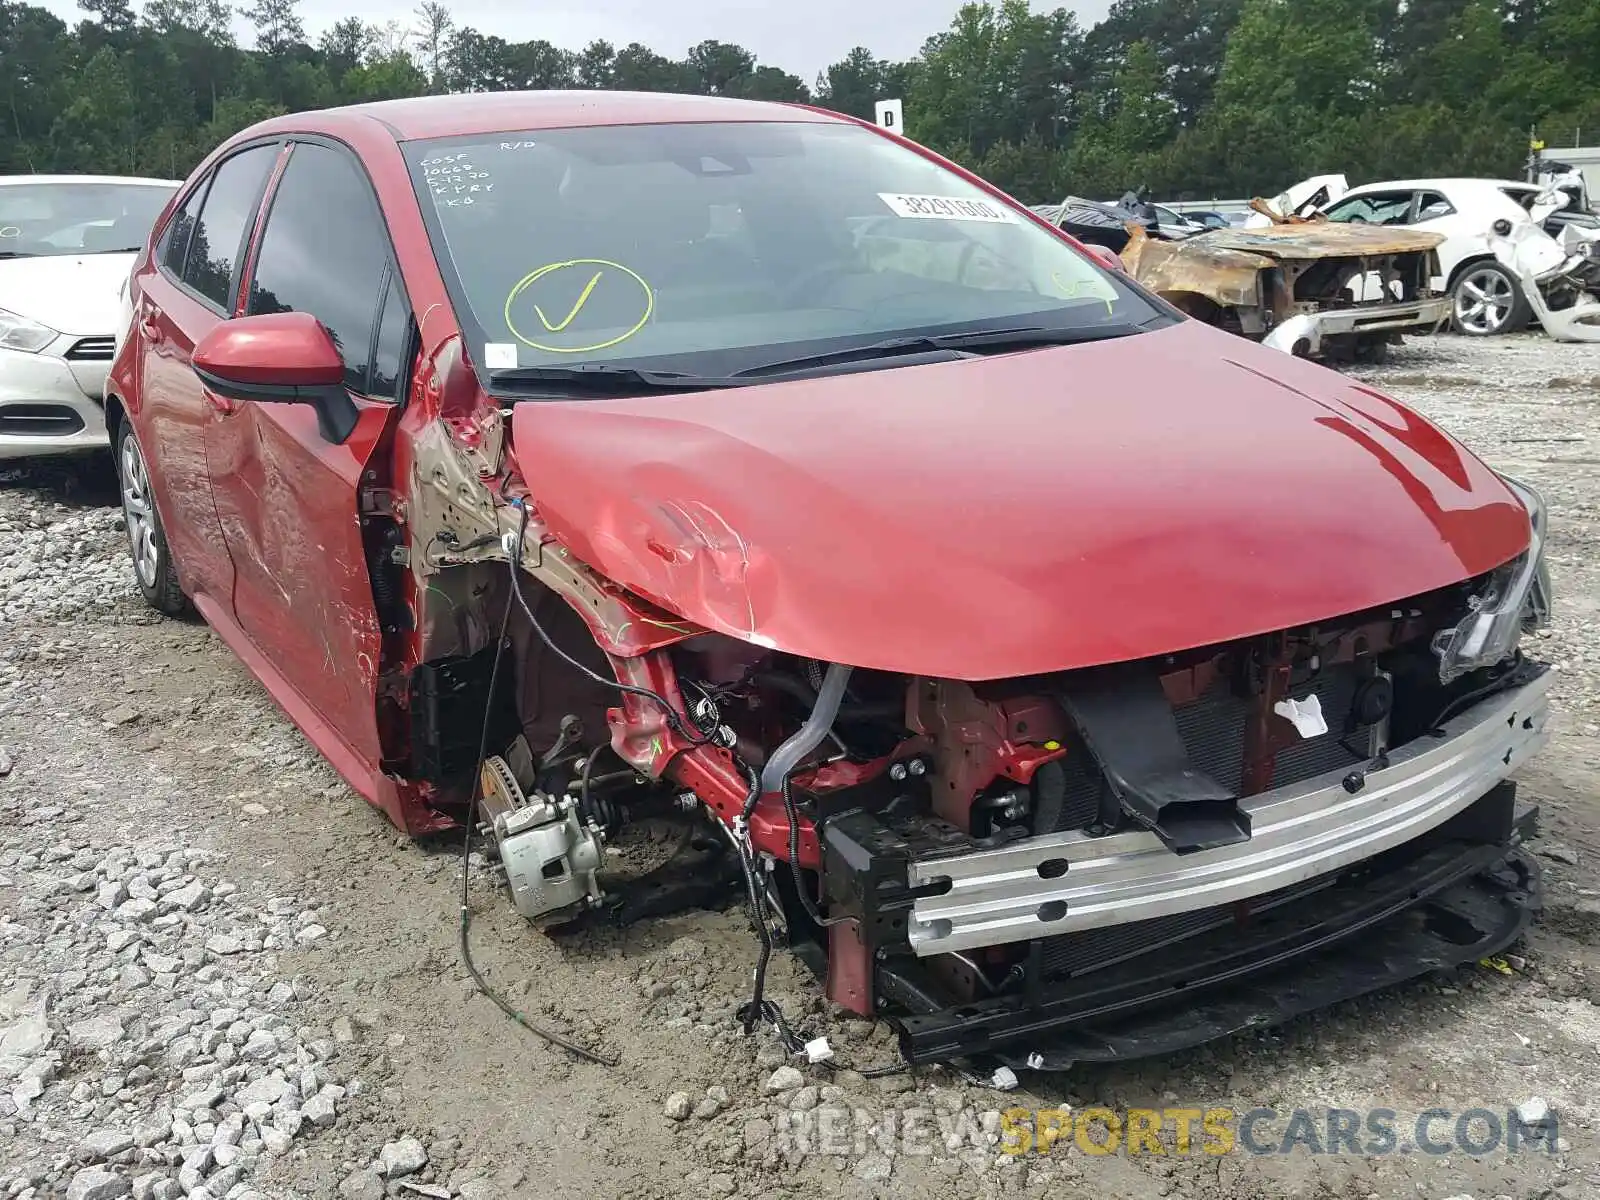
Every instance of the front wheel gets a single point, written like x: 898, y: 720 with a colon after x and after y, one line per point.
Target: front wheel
x: 152, y: 561
x: 1487, y: 300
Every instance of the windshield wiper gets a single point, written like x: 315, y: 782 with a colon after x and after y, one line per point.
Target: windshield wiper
x: 17, y: 254
x: 972, y: 341
x: 610, y: 377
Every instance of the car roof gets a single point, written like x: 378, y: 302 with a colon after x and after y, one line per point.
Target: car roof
x: 1461, y: 183
x: 504, y: 112
x: 138, y: 181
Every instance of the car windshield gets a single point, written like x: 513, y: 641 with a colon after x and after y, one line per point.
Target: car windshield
x: 714, y: 248
x: 78, y: 218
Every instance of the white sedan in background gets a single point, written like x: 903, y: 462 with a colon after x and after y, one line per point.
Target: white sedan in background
x: 1486, y: 297
x: 67, y: 243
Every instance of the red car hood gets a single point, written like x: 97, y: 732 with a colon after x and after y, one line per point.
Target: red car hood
x: 1032, y: 512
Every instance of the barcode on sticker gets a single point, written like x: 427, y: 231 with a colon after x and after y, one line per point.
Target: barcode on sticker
x: 947, y: 208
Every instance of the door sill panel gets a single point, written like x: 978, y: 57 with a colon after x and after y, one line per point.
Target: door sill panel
x: 374, y: 787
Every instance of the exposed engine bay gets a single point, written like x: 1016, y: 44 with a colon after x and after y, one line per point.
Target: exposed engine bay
x: 1033, y: 867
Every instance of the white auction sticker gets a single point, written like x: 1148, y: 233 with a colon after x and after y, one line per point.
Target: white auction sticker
x: 499, y: 356
x: 947, y: 208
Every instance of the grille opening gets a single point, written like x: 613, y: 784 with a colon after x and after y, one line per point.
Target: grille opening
x: 92, y: 349
x: 40, y: 420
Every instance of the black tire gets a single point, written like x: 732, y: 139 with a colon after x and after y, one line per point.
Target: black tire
x: 147, y: 540
x: 1486, y: 300
x: 1372, y: 351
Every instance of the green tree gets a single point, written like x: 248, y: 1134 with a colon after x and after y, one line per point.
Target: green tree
x: 99, y: 130
x: 596, y: 65
x: 1198, y: 98
x: 432, y: 37
x: 277, y: 23
x: 342, y: 45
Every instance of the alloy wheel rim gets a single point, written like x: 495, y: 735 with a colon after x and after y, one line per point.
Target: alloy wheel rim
x: 1483, y: 301
x: 139, y: 512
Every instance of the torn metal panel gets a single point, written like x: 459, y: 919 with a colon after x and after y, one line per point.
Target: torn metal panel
x: 458, y: 519
x: 1230, y: 278
x: 1320, y: 239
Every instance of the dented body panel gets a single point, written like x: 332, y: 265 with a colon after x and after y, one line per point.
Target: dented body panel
x: 1028, y: 485
x: 1322, y: 239
x: 1195, y: 267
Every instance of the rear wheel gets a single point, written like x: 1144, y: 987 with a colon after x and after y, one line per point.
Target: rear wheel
x: 1487, y: 300
x: 152, y: 561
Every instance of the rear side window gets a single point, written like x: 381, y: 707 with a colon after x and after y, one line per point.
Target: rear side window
x: 230, y: 205
x: 324, y: 252
x: 176, y: 244
x: 1433, y: 204
x: 1522, y: 197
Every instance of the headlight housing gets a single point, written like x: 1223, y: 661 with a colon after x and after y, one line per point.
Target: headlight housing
x: 1515, y: 599
x: 18, y: 332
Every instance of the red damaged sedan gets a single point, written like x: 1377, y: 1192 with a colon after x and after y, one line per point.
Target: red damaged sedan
x: 1062, y: 678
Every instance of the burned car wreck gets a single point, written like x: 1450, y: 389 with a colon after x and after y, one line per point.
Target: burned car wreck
x: 1313, y: 289
x: 1060, y: 677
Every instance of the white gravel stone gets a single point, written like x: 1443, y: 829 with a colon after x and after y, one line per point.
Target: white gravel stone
x: 259, y: 1046
x: 319, y: 1110
x: 404, y: 1157
x: 98, y: 1183
x: 157, y: 1127
x: 99, y: 1032
x: 784, y: 1079
x: 103, y: 1143
x: 189, y: 897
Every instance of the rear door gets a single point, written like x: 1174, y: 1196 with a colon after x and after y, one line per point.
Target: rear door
x: 286, y: 498
x: 189, y: 288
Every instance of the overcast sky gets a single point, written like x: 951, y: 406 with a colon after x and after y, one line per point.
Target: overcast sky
x: 801, y: 37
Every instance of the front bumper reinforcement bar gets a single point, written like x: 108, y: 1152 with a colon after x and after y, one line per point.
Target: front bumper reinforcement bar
x: 1064, y: 882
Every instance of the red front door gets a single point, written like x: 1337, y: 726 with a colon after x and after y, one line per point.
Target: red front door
x: 286, y: 497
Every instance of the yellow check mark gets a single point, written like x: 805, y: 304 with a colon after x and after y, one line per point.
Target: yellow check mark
x: 576, y: 308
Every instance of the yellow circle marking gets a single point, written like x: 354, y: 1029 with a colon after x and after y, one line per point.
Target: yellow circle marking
x: 533, y: 277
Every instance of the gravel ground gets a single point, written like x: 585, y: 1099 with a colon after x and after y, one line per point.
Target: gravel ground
x: 222, y: 975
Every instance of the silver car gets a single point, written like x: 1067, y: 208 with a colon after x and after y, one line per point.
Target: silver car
x: 67, y: 243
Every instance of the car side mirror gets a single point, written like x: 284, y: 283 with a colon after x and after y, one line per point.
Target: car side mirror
x: 279, y: 358
x: 1105, y: 256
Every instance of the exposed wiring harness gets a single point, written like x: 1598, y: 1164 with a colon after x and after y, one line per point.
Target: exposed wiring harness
x: 500, y: 1002
x: 758, y: 1007
x: 1497, y: 684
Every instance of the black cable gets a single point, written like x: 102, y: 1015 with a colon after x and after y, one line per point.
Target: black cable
x: 806, y: 901
x: 585, y: 805
x: 548, y: 1035
x: 759, y: 1008
x: 1496, y: 684
x: 676, y: 720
